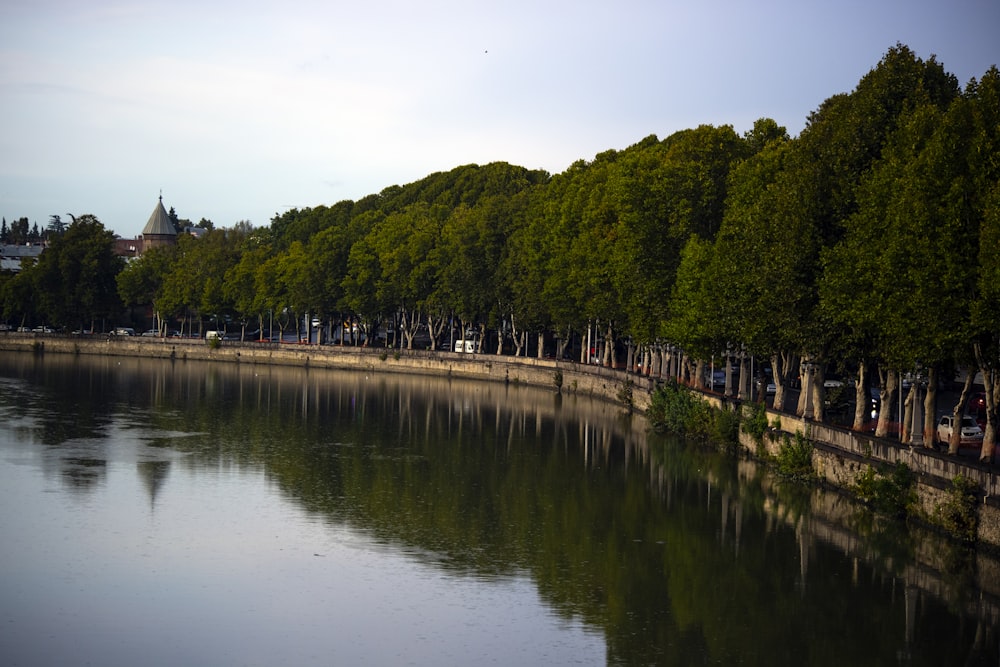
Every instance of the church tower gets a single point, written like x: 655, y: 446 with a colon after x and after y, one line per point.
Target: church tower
x: 159, y: 230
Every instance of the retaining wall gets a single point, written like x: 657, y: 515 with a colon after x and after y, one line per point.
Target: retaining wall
x: 839, y: 455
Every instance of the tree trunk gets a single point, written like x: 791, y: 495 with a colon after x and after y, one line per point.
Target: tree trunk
x: 411, y: 321
x: 907, y: 424
x: 515, y: 337
x: 991, y: 383
x: 482, y: 338
x: 609, y: 347
x: 435, y: 326
x: 562, y: 343
x: 541, y: 344
x: 886, y: 394
x: 779, y: 368
x: 862, y: 398
x: 699, y: 374
x: 955, y: 440
x: 930, y: 403
x: 819, y: 392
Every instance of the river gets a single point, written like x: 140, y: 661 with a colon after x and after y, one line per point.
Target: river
x: 161, y: 512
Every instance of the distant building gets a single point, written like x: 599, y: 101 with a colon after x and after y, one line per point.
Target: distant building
x: 12, y: 255
x: 129, y: 248
x: 159, y: 231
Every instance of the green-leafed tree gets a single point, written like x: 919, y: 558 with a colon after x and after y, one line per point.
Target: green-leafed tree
x: 241, y: 280
x: 984, y: 97
x: 763, y: 265
x: 76, y: 275
x: 695, y: 314
x: 141, y: 281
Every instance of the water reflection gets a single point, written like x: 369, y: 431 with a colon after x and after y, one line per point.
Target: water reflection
x: 667, y: 553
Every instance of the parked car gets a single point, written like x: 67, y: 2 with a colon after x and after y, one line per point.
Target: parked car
x: 124, y: 331
x: 150, y: 333
x: 43, y: 330
x: 971, y: 434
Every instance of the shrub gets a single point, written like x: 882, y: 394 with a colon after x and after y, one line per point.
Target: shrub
x: 624, y: 393
x: 727, y: 426
x: 794, y: 458
x: 957, y: 514
x: 755, y: 424
x: 677, y: 410
x: 891, y: 493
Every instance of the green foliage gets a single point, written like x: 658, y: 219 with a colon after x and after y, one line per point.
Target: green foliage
x: 890, y: 492
x: 957, y: 514
x: 557, y: 380
x: 755, y: 424
x: 624, y: 394
x: 676, y: 409
x: 794, y: 457
x: 726, y: 427
x: 870, y: 236
x: 75, y: 278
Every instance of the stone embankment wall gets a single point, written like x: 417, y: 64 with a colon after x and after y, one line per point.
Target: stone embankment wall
x: 573, y: 378
x: 839, y: 455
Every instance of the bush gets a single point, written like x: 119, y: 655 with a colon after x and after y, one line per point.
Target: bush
x: 677, y: 410
x: 891, y: 493
x: 755, y: 424
x: 727, y: 426
x: 794, y: 458
x: 624, y: 393
x: 957, y: 514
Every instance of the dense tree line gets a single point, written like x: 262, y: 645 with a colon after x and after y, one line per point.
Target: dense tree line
x: 867, y: 244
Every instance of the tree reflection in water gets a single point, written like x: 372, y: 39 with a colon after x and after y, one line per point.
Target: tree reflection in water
x: 675, y: 553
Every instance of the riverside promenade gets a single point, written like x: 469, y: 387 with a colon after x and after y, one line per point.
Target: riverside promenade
x: 839, y: 455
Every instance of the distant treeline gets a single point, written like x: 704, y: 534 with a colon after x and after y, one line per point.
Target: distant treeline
x: 869, y: 244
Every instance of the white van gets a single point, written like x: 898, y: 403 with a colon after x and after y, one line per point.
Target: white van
x: 466, y: 345
x: 214, y: 335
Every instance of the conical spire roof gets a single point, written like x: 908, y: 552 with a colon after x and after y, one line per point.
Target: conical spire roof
x: 159, y: 222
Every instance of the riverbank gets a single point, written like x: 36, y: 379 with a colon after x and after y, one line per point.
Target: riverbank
x: 839, y: 457
x: 568, y: 377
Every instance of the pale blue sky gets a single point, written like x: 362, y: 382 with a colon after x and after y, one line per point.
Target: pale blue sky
x: 239, y: 111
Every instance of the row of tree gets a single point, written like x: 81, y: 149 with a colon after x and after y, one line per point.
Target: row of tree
x: 867, y: 244
x: 22, y: 232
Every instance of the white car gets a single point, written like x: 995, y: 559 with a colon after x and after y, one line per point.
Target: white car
x: 972, y: 435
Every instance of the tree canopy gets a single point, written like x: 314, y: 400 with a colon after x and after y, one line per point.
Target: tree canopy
x: 865, y: 242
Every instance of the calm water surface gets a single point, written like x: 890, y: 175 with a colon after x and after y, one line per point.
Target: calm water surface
x: 180, y: 513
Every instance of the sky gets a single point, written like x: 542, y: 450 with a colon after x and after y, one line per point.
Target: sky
x: 242, y: 111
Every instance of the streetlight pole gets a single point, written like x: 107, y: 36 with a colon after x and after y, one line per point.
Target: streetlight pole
x: 917, y: 429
